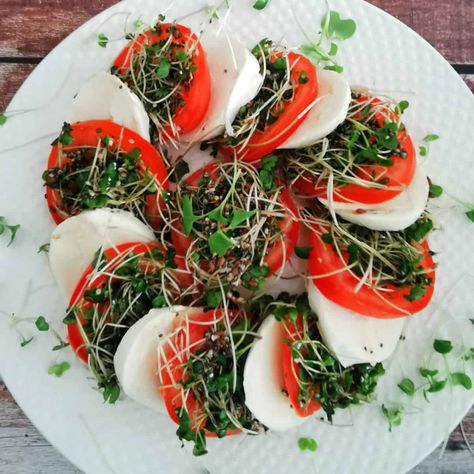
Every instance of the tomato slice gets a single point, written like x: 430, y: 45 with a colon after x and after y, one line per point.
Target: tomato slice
x: 262, y: 143
x: 281, y: 250
x: 91, y: 133
x: 291, y: 372
x: 340, y: 284
x: 189, y: 338
x: 78, y: 301
x: 399, y: 175
x: 196, y: 94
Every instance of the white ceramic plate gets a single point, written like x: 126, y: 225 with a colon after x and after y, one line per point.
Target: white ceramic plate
x: 385, y: 56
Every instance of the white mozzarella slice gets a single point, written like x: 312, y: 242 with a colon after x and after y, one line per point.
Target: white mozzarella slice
x: 197, y: 158
x: 395, y: 214
x: 106, y: 97
x: 235, y: 80
x: 75, y: 241
x: 352, y: 337
x: 290, y: 279
x: 328, y: 112
x: 263, y: 380
x: 136, y: 359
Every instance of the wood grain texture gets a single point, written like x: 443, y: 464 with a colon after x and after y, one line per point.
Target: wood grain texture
x: 12, y: 77
x: 31, y: 28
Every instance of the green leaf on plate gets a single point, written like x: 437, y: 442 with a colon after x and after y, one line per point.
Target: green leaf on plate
x: 219, y: 243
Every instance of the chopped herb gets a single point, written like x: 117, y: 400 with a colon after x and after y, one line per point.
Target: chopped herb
x: 442, y: 346
x: 393, y: 416
x: 303, y: 252
x: 111, y: 392
x: 423, y: 151
x: 102, y: 40
x: 59, y: 369
x: 416, y: 293
x: 41, y: 324
x: 470, y: 215
x: 431, y: 138
x: 401, y: 107
x: 44, y: 248
x: 307, y: 444
x: 3, y: 119
x: 407, y: 386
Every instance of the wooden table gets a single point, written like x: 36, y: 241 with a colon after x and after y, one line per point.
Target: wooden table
x: 31, y: 28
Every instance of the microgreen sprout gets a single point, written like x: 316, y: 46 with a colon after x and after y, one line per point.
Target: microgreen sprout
x: 12, y: 229
x: 157, y: 71
x: 261, y: 4
x: 3, y: 119
x: 323, y: 51
x: 58, y: 369
x: 102, y: 40
x: 424, y: 149
x: 368, y: 138
x: 393, y: 416
x: 44, y: 248
x: 307, y: 444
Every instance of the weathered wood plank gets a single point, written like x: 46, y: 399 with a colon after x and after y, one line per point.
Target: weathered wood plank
x: 30, y: 28
x: 12, y: 77
x: 447, y: 24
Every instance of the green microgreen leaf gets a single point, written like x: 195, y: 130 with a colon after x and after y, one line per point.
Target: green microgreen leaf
x: 393, y: 416
x: 188, y: 215
x: 327, y: 238
x: 217, y: 216
x: 24, y: 342
x: 303, y: 252
x: 44, y: 248
x: 138, y: 23
x: 407, y: 386
x: 61, y: 345
x: 13, y: 229
x: 41, y: 324
x: 335, y: 68
x: 427, y: 373
x: 185, y: 432
x: 470, y: 215
x: 416, y: 293
x: 442, y: 346
x: 65, y: 137
x: 111, y: 392
x: 423, y: 151
x: 164, y: 68
x: 460, y: 378
x: 333, y: 26
x: 213, y: 298
x: 3, y: 119
x: 431, y: 138
x: 102, y: 40
x: 333, y: 49
x: 219, y: 243
x: 435, y: 190
x: 261, y: 4
x: 238, y: 217
x: 437, y: 386
x: 307, y: 444
x: 401, y: 107
x: 59, y: 369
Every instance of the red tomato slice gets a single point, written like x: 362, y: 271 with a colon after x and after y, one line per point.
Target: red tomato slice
x: 290, y: 373
x: 262, y: 143
x: 399, y: 175
x: 281, y: 250
x: 191, y: 335
x: 339, y: 287
x: 77, y: 300
x: 89, y: 134
x: 197, y: 94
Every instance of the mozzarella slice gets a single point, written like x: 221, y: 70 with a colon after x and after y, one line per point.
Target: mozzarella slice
x: 351, y: 337
x: 395, y: 214
x: 136, y: 358
x: 75, y: 241
x: 290, y: 280
x: 329, y: 111
x: 235, y: 81
x: 106, y: 97
x: 263, y: 380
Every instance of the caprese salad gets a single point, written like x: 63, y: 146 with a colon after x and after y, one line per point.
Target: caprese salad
x: 241, y: 236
